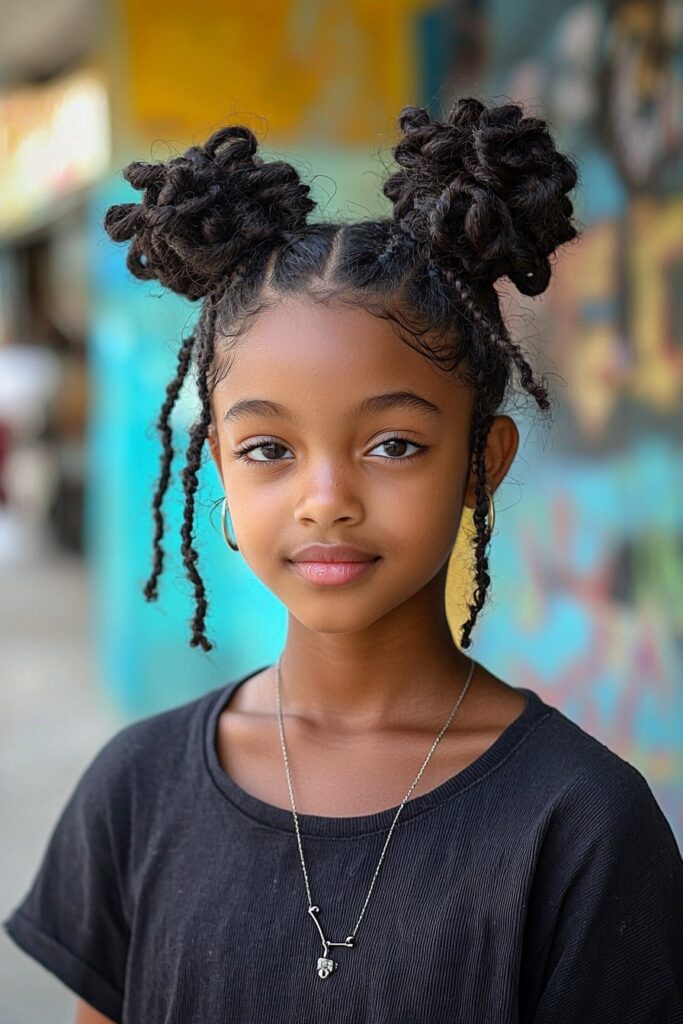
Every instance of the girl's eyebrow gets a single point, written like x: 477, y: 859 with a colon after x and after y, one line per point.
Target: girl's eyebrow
x: 372, y: 404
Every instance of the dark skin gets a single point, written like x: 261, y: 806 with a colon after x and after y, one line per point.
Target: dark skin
x: 370, y: 670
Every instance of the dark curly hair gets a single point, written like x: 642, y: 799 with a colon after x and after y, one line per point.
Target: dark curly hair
x: 480, y: 195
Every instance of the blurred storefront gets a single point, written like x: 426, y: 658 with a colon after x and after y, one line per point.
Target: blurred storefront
x: 55, y: 146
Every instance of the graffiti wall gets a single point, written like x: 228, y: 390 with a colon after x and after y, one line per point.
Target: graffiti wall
x: 587, y: 557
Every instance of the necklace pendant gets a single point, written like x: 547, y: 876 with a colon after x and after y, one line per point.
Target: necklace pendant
x: 325, y: 966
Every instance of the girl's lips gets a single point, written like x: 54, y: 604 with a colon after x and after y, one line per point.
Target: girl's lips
x: 333, y: 573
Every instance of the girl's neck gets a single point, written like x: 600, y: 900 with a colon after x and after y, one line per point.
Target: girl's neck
x: 398, y: 674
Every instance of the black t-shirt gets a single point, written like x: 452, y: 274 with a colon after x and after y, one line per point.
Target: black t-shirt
x: 542, y: 885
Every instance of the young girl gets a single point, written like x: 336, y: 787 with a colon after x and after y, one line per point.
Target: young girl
x: 376, y: 829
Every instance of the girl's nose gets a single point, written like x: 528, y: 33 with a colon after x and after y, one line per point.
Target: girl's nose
x: 329, y: 493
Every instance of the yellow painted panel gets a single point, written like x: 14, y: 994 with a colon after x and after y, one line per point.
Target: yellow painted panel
x: 460, y: 578
x: 657, y: 248
x: 335, y: 71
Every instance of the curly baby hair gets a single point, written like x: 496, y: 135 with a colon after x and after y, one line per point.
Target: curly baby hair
x: 480, y: 195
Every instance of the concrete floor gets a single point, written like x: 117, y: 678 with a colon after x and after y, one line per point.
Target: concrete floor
x: 53, y: 719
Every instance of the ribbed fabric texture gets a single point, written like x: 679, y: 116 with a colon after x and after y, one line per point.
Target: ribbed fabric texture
x: 541, y: 885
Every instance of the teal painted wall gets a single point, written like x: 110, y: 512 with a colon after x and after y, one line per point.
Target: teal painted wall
x: 143, y: 648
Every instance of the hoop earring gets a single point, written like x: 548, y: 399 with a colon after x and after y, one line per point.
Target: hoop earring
x: 228, y: 541
x: 491, y: 513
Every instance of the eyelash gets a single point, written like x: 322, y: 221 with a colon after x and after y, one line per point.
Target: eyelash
x: 241, y: 453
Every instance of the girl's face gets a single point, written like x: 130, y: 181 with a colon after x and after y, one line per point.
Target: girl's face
x: 331, y: 430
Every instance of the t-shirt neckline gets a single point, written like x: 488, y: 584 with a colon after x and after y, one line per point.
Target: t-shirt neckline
x: 280, y: 818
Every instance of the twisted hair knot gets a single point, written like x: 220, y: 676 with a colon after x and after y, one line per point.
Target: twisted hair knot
x: 483, y: 191
x: 204, y: 211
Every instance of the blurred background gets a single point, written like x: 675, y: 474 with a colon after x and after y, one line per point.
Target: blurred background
x: 586, y: 605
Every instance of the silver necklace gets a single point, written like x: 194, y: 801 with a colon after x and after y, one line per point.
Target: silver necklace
x: 326, y: 965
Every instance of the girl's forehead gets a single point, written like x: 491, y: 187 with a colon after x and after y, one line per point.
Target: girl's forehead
x: 304, y: 326
x: 305, y: 347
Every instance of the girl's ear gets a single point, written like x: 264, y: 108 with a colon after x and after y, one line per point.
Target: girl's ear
x: 501, y: 447
x: 214, y: 448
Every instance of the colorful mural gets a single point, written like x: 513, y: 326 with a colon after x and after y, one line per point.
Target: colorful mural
x: 587, y: 557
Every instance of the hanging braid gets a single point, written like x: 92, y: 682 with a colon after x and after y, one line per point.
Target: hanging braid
x: 480, y: 429
x: 198, y: 436
x: 479, y: 195
x: 163, y: 426
x: 498, y: 335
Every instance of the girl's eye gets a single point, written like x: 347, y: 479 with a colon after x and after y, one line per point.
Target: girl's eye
x: 241, y: 453
x: 390, y: 443
x: 400, y: 442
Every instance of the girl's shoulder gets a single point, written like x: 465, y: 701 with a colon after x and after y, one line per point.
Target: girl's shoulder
x: 153, y: 746
x: 76, y: 916
x: 605, y: 894
x: 161, y: 740
x: 146, y: 769
x: 590, y: 797
x: 573, y: 756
